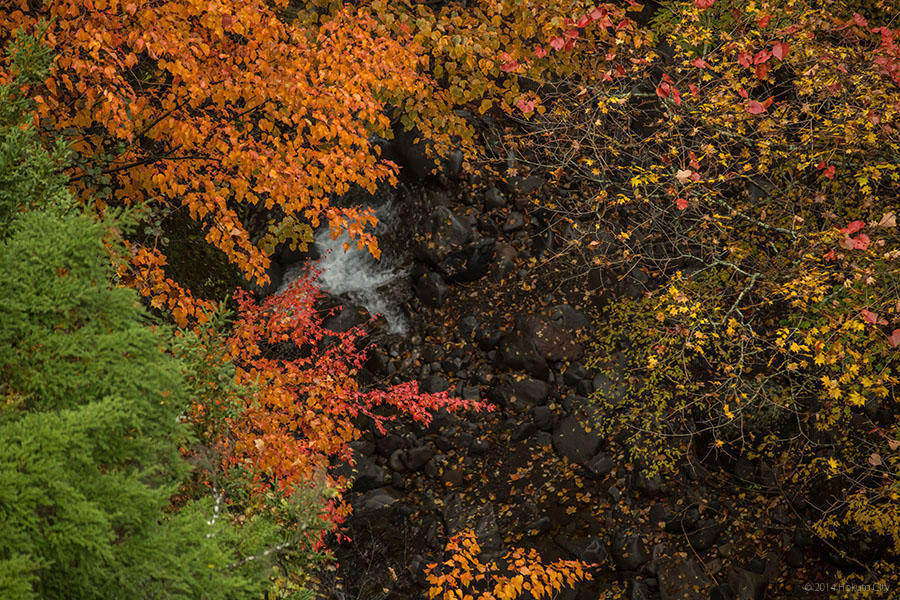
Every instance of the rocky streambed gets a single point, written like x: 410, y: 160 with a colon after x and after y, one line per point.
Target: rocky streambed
x: 480, y: 299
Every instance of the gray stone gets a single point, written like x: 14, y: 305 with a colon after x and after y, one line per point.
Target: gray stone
x: 396, y: 462
x: 518, y: 184
x: 682, y: 579
x: 514, y: 221
x: 430, y: 289
x: 435, y: 384
x: 628, y: 552
x: 746, y: 585
x: 493, y: 198
x: 639, y: 591
x: 517, y: 352
x: 658, y: 515
x: 551, y: 341
x: 479, y: 447
x: 575, y: 373
x: 525, y: 393
x: 538, y: 527
x: 374, y: 500
x: 570, y: 318
x: 347, y: 316
x: 595, y: 552
x: 542, y: 417
x: 573, y: 441
x: 705, y: 536
x: 416, y: 458
x: 368, y: 475
x: 600, y: 465
x: 453, y: 166
x: 523, y: 431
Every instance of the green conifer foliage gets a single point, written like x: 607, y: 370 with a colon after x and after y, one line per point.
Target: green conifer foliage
x: 91, y: 398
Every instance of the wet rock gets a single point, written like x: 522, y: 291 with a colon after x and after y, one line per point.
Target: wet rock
x: 482, y: 520
x: 374, y: 500
x: 686, y: 521
x: 435, y: 384
x: 479, y: 447
x: 573, y: 441
x: 388, y: 444
x: 416, y: 458
x: 445, y: 232
x: 595, y: 552
x: 648, y: 485
x: 570, y: 318
x: 453, y: 477
x: 575, y: 373
x: 466, y: 328
x: 659, y: 514
x: 542, y: 417
x: 551, y: 341
x: 471, y: 393
x: 367, y: 475
x: 469, y: 263
x: 628, y: 552
x: 504, y: 262
x: 682, y: 579
x: 410, y: 150
x: 744, y: 469
x: 487, y: 339
x: 639, y: 591
x: 396, y: 462
x: 525, y: 393
x: 705, y: 536
x: 517, y: 351
x: 347, y: 316
x: 795, y: 557
x: 746, y: 585
x: 522, y: 431
x: 538, y: 527
x: 493, y: 198
x: 288, y: 256
x: 518, y: 184
x: 453, y: 165
x: 514, y: 221
x: 599, y: 466
x: 275, y: 272
x: 430, y: 289
x: 443, y: 443
x: 544, y: 439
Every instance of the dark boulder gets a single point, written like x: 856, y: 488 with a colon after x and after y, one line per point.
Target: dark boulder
x: 430, y: 289
x: 517, y: 352
x: 518, y: 184
x: 525, y: 393
x: 346, y: 317
x: 575, y: 442
x: 600, y: 466
x: 628, y: 552
x: 682, y: 579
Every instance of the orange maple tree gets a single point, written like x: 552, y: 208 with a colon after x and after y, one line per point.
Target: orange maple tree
x: 306, y: 404
x: 234, y: 112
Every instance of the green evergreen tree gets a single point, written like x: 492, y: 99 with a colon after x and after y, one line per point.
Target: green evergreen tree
x: 91, y: 399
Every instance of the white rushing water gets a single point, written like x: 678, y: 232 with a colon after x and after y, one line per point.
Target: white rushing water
x: 357, y: 275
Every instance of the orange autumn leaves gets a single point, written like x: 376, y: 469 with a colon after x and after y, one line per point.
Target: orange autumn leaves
x: 306, y: 405
x: 226, y: 111
x: 463, y: 576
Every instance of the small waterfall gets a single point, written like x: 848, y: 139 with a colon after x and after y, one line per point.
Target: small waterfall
x: 378, y: 285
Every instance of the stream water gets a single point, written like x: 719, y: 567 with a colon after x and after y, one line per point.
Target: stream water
x: 382, y: 285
